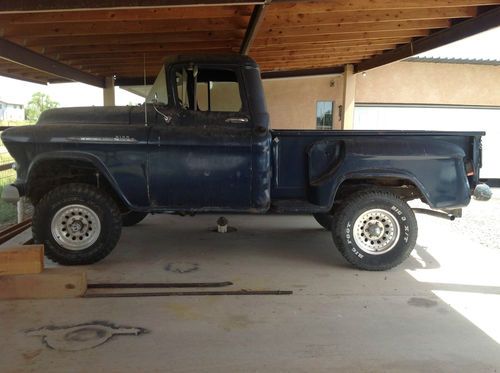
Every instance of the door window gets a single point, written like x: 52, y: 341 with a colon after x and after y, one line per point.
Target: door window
x: 209, y: 90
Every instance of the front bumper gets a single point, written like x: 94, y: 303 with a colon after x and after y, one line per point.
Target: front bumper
x: 10, y: 194
x: 482, y: 192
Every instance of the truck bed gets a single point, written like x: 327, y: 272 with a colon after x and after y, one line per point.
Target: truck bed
x: 309, y: 164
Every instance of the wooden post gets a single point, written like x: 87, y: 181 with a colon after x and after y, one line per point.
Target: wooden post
x: 108, y: 92
x: 349, y: 98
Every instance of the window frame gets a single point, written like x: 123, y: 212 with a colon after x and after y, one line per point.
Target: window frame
x: 325, y: 128
x: 239, y: 79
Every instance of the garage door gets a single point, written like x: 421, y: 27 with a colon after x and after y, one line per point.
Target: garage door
x: 438, y: 118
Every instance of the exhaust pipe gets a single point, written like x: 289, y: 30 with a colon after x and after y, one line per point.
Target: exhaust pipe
x: 436, y: 214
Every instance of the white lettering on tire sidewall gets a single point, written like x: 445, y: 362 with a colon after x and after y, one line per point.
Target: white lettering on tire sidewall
x: 404, y: 227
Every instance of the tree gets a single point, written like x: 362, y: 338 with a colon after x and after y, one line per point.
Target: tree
x: 39, y: 103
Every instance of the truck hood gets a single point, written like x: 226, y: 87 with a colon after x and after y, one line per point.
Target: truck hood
x: 93, y: 115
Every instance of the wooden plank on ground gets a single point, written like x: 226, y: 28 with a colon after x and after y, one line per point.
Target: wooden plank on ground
x: 19, y: 260
x: 52, y: 283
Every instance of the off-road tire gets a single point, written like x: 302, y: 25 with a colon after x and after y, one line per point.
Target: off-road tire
x: 131, y: 218
x: 324, y: 219
x: 80, y: 194
x: 357, y: 206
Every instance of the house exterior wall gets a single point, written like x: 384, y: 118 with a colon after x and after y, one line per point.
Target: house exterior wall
x: 11, y: 112
x: 430, y: 83
x: 292, y: 102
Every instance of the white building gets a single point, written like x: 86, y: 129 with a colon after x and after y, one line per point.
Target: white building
x: 11, y: 112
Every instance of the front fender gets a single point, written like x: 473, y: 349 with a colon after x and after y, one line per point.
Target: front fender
x: 66, y: 156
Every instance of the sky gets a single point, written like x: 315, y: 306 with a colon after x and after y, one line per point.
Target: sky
x: 66, y: 94
x: 482, y: 46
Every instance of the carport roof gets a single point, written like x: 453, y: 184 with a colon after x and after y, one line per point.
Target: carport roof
x: 63, y: 40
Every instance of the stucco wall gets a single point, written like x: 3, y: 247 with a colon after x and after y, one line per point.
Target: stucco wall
x: 292, y: 102
x: 430, y: 83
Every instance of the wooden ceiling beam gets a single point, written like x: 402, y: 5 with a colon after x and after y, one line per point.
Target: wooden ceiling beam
x: 360, y: 36
x: 127, y: 15
x: 282, y: 67
x: 167, y: 48
x: 126, y: 27
x: 252, y: 28
x: 302, y: 72
x: 483, y: 22
x: 324, y: 6
x: 148, y: 54
x: 25, y: 77
x: 112, y: 59
x: 307, y: 52
x: 34, y: 6
x: 348, y: 28
x: 332, y: 44
x: 314, y: 58
x: 313, y: 19
x: 325, y: 58
x: 184, y: 37
x: 126, y: 70
x: 23, y: 56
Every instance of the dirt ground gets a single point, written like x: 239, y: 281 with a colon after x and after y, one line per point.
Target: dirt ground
x: 480, y: 221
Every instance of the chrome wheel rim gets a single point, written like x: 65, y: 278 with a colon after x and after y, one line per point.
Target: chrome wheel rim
x: 75, y: 227
x: 376, y: 231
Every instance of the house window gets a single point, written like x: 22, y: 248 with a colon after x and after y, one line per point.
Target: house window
x: 324, y: 115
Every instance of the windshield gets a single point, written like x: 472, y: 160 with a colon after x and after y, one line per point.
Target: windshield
x: 158, y: 93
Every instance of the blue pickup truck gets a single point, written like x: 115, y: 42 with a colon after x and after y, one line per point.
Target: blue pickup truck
x: 202, y: 143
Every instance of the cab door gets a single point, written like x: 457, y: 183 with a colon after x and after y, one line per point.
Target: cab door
x: 202, y: 158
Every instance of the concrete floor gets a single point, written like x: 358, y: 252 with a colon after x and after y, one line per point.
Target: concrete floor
x: 438, y: 312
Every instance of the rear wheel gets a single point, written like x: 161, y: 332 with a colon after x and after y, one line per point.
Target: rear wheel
x: 77, y: 223
x: 325, y: 220
x: 132, y: 218
x: 375, y: 230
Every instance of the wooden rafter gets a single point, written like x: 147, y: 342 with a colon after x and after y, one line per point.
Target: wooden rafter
x: 111, y: 37
x: 483, y: 22
x: 22, y: 56
x: 70, y: 5
x: 252, y: 28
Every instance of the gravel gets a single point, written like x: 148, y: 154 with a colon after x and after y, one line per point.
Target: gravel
x: 480, y: 220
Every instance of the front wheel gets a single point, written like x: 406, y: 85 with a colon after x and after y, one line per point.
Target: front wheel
x: 375, y: 231
x: 77, y: 223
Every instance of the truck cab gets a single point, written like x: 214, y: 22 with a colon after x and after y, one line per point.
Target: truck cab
x: 210, y: 145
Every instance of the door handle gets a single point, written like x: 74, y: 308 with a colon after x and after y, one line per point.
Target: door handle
x: 237, y: 120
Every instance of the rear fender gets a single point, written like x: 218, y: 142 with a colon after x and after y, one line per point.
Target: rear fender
x: 435, y: 167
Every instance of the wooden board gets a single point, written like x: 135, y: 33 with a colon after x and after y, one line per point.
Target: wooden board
x: 19, y: 260
x: 52, y: 283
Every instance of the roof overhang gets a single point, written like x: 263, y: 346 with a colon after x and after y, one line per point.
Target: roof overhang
x: 63, y: 40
